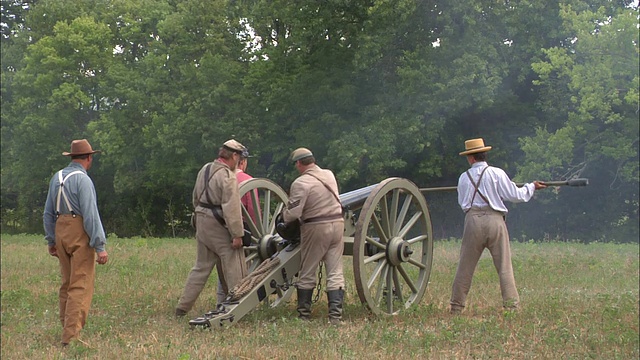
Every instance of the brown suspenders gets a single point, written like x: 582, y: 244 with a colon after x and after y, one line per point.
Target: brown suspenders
x: 476, y: 185
x: 215, y: 209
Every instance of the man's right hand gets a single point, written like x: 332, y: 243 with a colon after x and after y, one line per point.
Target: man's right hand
x: 53, y: 251
x: 237, y: 243
x: 102, y: 258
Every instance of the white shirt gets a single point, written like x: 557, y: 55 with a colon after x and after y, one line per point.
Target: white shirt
x: 496, y: 186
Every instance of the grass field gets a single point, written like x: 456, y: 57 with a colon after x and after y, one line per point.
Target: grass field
x: 578, y: 302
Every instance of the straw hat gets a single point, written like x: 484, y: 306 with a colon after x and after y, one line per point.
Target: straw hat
x: 300, y: 153
x: 80, y: 147
x: 474, y: 146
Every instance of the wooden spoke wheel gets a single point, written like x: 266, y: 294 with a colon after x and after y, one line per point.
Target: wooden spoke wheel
x: 393, y: 247
x: 262, y: 201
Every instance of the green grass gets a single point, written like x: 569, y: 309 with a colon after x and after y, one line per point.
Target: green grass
x: 578, y: 302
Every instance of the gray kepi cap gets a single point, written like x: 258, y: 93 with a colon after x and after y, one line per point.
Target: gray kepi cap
x: 300, y: 153
x: 235, y: 146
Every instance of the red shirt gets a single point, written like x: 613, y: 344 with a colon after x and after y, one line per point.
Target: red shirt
x: 246, y: 199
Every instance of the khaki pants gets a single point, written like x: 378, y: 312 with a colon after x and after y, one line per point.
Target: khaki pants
x: 213, y: 247
x: 77, y: 266
x: 321, y: 242
x: 484, y: 228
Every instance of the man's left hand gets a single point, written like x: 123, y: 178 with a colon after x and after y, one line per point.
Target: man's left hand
x: 539, y: 185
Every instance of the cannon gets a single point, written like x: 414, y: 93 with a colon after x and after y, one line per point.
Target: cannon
x: 387, y: 231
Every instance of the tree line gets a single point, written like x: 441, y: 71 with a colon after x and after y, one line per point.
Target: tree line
x: 375, y: 88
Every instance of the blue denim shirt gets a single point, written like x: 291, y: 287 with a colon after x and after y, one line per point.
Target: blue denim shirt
x: 82, y: 196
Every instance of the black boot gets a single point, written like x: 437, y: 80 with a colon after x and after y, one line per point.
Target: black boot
x: 335, y: 299
x: 304, y: 303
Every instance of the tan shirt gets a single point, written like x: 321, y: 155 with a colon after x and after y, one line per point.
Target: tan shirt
x: 223, y: 191
x: 309, y: 198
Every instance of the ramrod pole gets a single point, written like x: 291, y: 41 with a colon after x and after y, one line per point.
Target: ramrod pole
x: 572, y: 182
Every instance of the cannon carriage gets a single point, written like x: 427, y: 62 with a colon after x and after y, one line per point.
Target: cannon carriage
x: 387, y: 232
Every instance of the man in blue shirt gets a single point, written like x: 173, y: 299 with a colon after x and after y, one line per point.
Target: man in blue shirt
x: 74, y: 233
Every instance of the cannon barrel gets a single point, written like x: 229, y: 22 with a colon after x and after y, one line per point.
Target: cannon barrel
x: 350, y: 201
x: 356, y: 198
x: 572, y: 182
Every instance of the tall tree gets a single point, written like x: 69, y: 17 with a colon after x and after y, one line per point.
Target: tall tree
x: 301, y: 89
x: 57, y: 94
x: 177, y: 76
x: 591, y: 83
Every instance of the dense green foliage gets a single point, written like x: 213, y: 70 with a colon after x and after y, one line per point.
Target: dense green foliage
x: 375, y: 88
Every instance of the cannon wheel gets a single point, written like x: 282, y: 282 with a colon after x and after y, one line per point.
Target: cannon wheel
x: 393, y: 247
x: 268, y: 200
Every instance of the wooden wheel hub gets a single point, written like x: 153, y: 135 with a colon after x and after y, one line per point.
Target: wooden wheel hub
x: 398, y: 251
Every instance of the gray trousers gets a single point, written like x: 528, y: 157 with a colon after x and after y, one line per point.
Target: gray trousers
x: 484, y: 228
x: 214, y: 248
x: 321, y: 242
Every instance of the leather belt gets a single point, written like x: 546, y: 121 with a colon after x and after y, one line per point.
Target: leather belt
x: 322, y: 218
x: 216, y: 210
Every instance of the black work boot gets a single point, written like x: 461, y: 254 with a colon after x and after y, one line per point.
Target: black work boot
x: 304, y: 303
x: 335, y: 299
x: 180, y: 312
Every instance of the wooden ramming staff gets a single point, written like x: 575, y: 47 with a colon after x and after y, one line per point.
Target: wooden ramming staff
x: 572, y: 182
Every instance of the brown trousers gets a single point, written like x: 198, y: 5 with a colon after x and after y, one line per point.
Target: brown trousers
x: 321, y: 242
x: 78, y: 267
x: 213, y: 248
x: 484, y: 228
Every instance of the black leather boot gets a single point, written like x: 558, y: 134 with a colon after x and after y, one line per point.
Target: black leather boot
x: 335, y: 299
x: 304, y: 303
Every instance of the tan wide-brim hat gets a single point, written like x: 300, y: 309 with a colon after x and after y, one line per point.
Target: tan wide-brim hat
x: 234, y: 145
x: 300, y: 153
x: 474, y: 146
x: 80, y: 147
